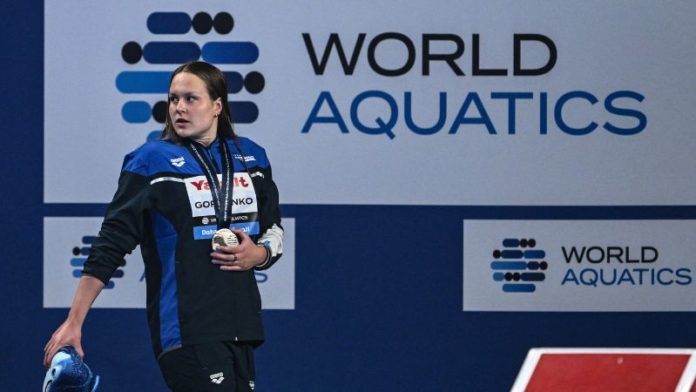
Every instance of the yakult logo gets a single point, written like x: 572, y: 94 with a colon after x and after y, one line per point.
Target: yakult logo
x: 236, y: 182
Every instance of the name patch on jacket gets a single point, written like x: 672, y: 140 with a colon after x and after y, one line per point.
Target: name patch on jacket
x: 244, y: 205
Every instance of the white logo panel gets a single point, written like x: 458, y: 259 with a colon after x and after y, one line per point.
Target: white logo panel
x: 402, y: 102
x: 66, y: 244
x: 579, y: 265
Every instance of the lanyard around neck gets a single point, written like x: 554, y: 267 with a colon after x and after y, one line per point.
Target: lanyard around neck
x: 221, y: 191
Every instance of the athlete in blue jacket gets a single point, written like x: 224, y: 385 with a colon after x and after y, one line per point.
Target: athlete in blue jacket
x: 174, y: 194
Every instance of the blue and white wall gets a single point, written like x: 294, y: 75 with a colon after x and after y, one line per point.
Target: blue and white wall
x: 459, y: 181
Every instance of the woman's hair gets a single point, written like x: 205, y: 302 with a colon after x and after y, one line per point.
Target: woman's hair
x: 217, y: 88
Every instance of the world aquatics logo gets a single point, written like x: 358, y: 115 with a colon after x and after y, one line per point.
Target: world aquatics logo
x: 146, y: 89
x: 79, y: 256
x: 518, y: 265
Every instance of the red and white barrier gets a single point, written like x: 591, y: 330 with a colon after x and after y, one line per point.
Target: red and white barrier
x: 607, y: 369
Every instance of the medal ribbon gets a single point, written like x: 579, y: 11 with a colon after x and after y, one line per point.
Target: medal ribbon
x: 221, y: 192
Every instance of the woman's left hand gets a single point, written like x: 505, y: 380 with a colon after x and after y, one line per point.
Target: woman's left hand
x: 242, y: 257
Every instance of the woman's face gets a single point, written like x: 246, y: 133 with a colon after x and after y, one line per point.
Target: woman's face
x: 192, y: 111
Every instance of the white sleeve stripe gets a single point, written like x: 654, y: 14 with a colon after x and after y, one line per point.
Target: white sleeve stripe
x: 160, y: 179
x: 273, y: 238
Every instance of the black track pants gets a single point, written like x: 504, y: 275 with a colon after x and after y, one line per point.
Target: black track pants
x: 218, y: 366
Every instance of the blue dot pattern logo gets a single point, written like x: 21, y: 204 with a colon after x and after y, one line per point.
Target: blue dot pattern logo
x: 175, y: 53
x: 80, y: 254
x: 518, y: 265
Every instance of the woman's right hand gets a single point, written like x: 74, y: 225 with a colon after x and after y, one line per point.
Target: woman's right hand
x: 68, y: 334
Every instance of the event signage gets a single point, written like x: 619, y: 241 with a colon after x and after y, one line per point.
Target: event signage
x: 579, y: 265
x: 67, y: 243
x: 507, y: 108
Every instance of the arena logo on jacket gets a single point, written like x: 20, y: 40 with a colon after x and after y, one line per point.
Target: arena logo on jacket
x: 244, y: 205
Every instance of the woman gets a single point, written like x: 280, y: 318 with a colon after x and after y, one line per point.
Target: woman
x: 173, y: 195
